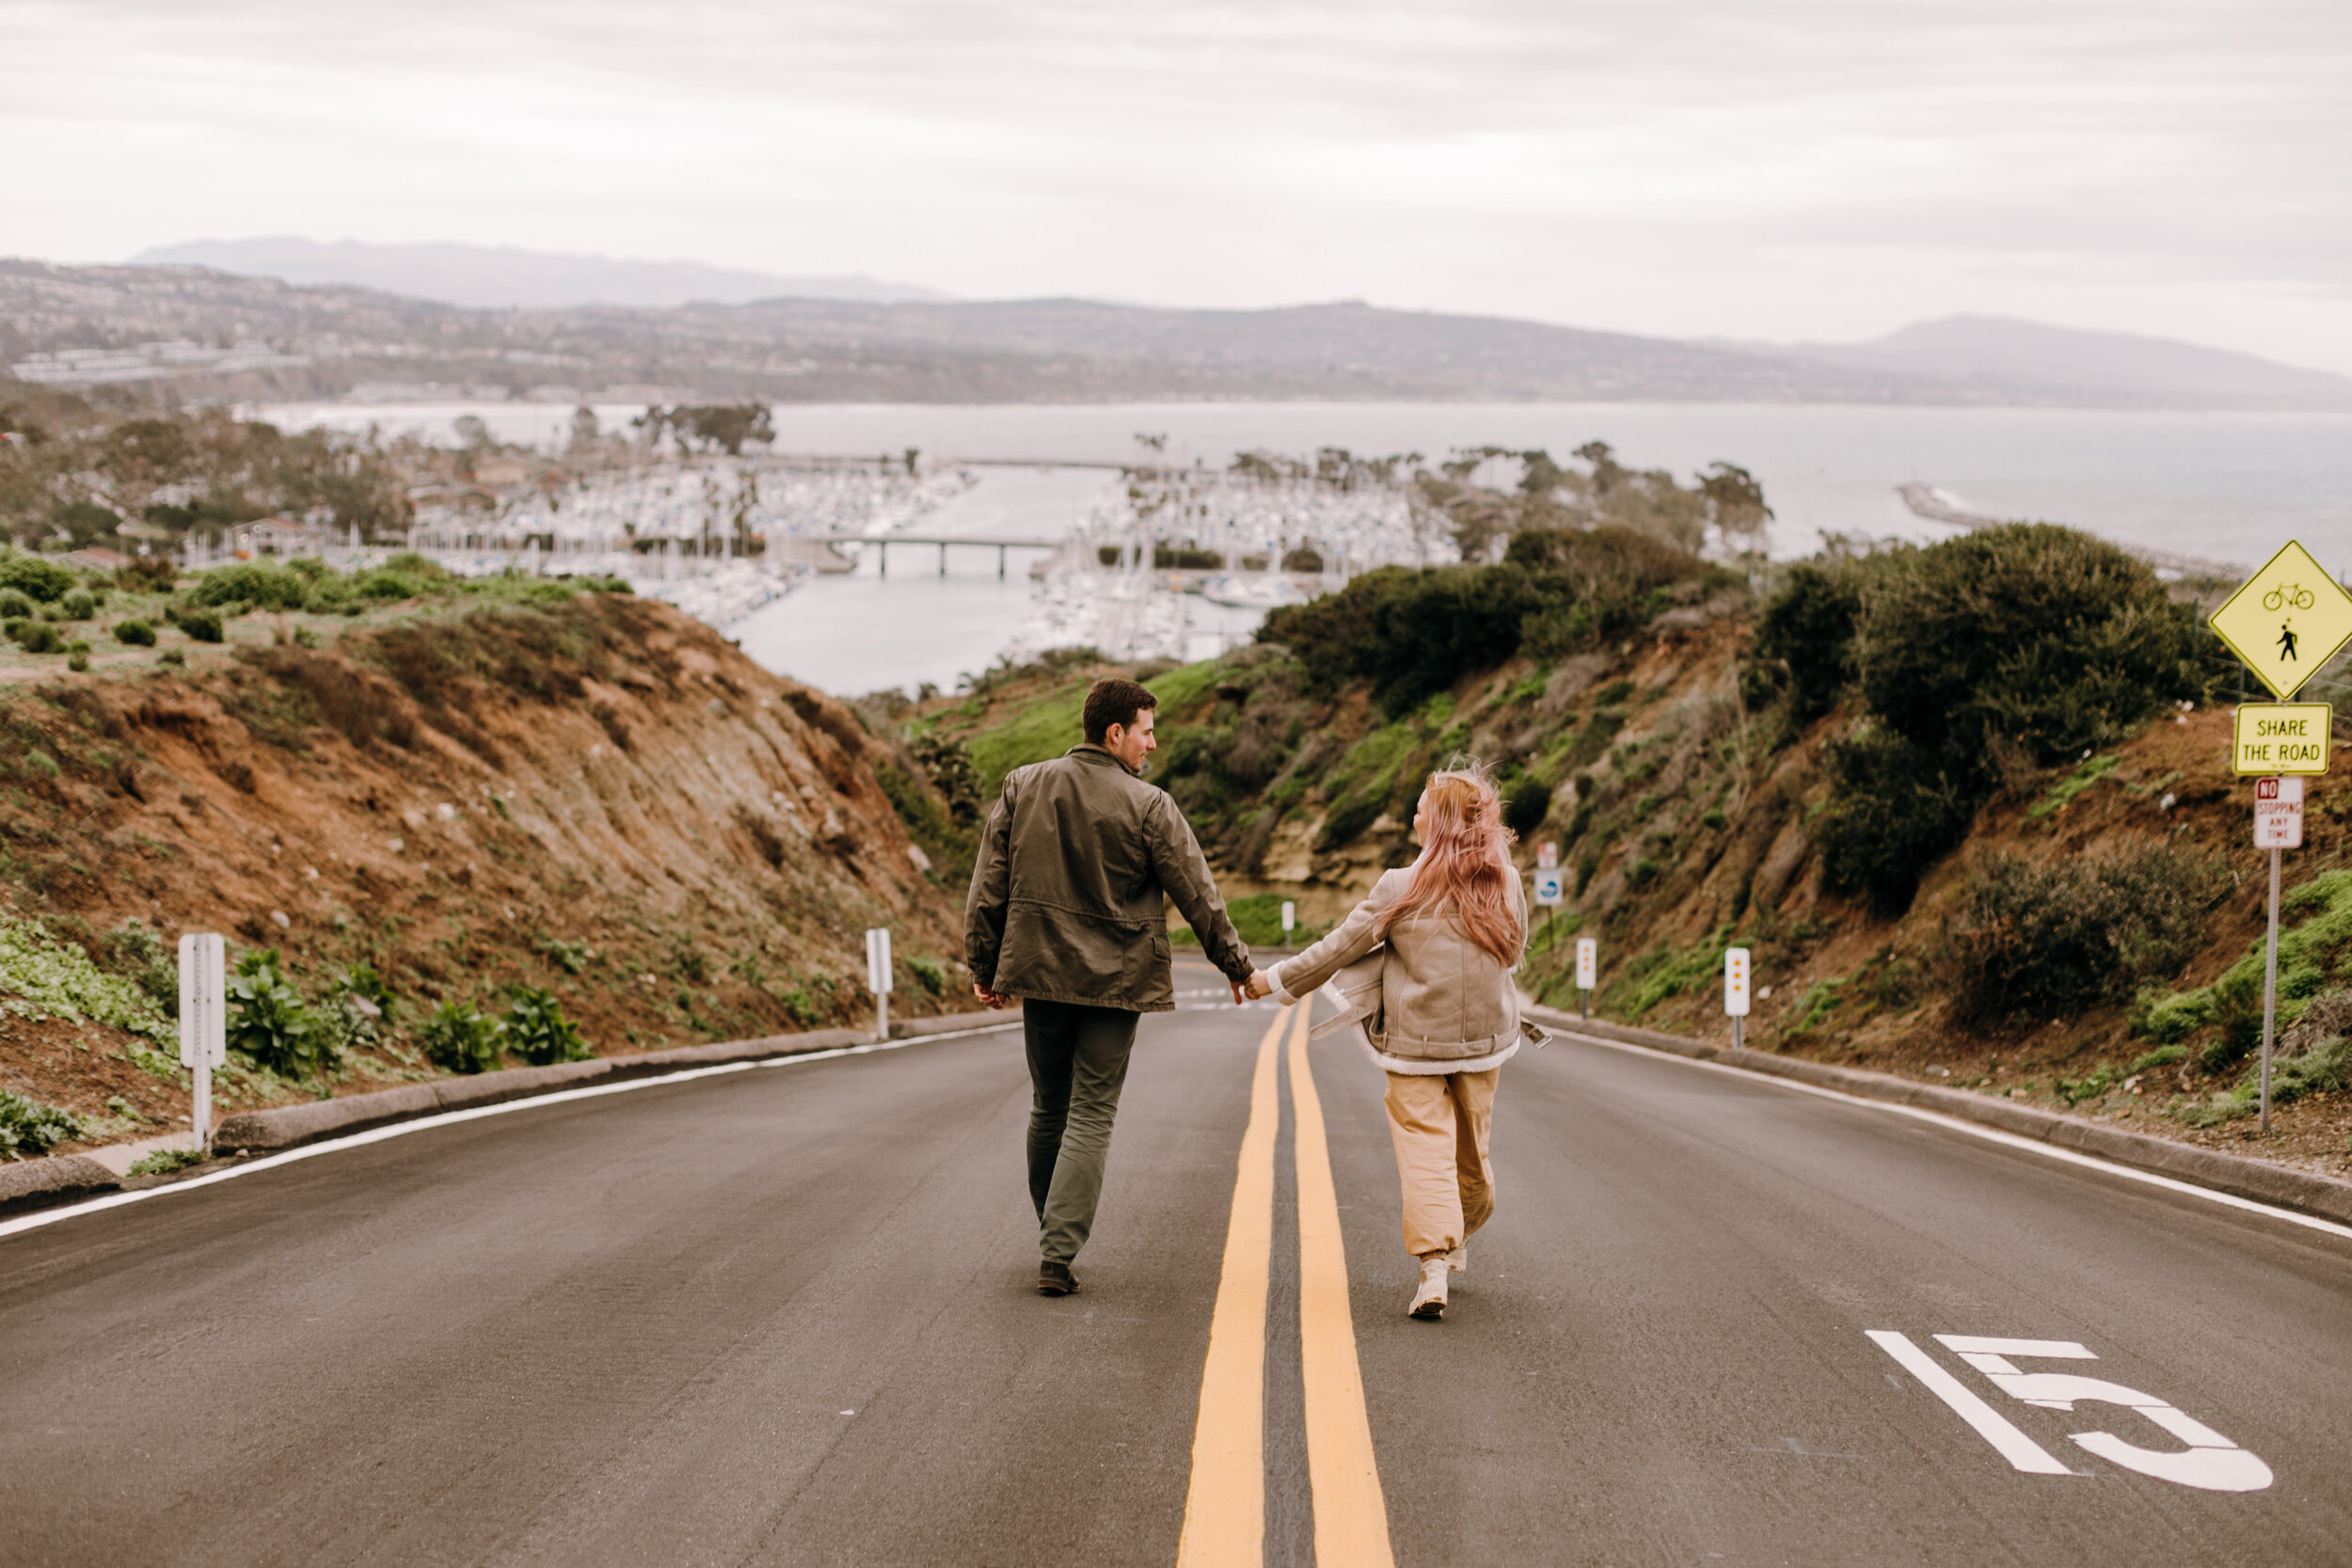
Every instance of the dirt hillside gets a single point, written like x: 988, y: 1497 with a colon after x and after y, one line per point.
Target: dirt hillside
x: 590, y: 794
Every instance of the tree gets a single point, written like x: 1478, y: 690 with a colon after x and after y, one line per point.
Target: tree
x: 725, y: 425
x: 1737, y: 502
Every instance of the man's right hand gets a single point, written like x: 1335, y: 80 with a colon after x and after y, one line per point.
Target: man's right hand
x: 992, y: 998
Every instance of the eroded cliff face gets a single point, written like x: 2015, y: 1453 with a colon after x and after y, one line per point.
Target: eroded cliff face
x: 599, y: 797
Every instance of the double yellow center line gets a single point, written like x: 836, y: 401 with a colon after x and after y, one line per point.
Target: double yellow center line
x: 1225, y: 1506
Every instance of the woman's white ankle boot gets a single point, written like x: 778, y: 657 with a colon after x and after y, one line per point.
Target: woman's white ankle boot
x: 1429, y: 1299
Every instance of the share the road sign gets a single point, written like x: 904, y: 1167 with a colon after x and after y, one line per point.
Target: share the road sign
x: 2281, y: 737
x: 2287, y: 621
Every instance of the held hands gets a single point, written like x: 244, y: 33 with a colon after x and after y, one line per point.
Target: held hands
x: 994, y: 999
x: 1259, y: 986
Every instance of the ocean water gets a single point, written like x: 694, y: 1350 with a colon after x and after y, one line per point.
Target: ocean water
x: 2233, y: 486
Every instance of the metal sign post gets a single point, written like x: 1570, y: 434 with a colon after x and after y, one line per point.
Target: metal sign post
x: 1587, y: 969
x: 2278, y: 825
x: 1735, y: 993
x: 1290, y: 920
x: 203, y: 1021
x: 877, y: 977
x: 2287, y: 621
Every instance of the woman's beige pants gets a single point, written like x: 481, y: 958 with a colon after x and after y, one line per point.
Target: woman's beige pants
x: 1442, y: 1125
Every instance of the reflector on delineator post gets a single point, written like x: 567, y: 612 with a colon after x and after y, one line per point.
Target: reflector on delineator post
x: 1735, y: 992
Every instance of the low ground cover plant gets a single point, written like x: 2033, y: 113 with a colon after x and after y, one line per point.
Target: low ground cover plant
x: 271, y: 1023
x: 29, y: 1130
x: 537, y: 1031
x: 460, y: 1039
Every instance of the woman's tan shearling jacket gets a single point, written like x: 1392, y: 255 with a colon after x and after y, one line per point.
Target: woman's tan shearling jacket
x: 1445, y: 1004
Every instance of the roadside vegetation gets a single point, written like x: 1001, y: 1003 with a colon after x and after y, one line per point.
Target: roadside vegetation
x: 1969, y: 804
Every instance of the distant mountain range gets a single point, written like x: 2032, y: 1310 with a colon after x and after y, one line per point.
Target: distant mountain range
x: 493, y: 278
x: 2005, y: 359
x: 207, y: 332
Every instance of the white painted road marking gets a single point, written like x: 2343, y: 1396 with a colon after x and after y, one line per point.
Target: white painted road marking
x: 1994, y: 1427
x: 2211, y: 1463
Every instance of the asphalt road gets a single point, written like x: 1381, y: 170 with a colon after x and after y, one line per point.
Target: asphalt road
x: 785, y: 1316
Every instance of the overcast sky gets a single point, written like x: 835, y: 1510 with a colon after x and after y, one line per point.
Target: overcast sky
x: 1826, y: 170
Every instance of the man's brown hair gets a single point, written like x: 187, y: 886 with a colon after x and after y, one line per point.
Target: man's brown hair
x: 1114, y: 702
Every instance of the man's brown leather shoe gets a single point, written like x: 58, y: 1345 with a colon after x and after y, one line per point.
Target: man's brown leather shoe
x: 1055, y: 1279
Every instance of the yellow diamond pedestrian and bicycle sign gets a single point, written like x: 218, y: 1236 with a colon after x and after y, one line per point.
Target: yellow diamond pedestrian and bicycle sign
x: 2288, y: 620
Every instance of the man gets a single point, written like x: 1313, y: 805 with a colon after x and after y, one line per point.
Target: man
x: 1066, y: 915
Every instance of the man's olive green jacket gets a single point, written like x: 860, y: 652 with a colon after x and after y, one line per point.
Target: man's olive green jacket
x: 1066, y: 902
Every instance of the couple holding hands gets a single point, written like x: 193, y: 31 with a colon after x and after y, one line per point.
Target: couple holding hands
x: 1066, y: 915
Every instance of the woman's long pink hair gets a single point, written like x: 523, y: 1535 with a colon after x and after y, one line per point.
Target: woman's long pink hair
x: 1465, y: 857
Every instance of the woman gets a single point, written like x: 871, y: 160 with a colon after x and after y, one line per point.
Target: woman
x: 1447, y: 1018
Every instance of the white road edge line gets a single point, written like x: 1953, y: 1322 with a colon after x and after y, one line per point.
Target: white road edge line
x: 1995, y: 1427
x: 1991, y: 1134
x: 39, y: 1218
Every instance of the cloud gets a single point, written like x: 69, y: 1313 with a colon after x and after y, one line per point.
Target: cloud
x: 1686, y: 165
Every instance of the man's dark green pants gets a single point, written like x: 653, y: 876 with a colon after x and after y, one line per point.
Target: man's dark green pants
x: 1077, y: 1064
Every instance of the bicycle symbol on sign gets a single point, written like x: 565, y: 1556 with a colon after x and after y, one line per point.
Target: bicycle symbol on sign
x: 2294, y: 596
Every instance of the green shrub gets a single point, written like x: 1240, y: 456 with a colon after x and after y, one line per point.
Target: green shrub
x: 457, y: 1039
x: 1412, y: 633
x: 2054, y: 941
x: 14, y: 606
x: 1890, y: 816
x: 77, y: 656
x: 1806, y: 635
x: 137, y: 634
x: 270, y: 1022
x: 2163, y: 1056
x: 359, y: 1007
x: 77, y: 605
x: 537, y: 1031
x: 1166, y: 559
x: 1526, y: 802
x: 2049, y: 638
x: 929, y: 973
x: 38, y: 637
x: 256, y: 583
x: 42, y: 581
x: 172, y: 657
x: 2027, y: 637
x: 202, y: 626
x: 29, y: 1130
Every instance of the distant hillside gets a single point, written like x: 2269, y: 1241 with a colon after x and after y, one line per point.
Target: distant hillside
x: 237, y: 337
x: 494, y: 278
x: 2000, y: 358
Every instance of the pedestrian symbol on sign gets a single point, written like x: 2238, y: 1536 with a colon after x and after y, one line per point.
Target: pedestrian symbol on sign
x: 2286, y: 641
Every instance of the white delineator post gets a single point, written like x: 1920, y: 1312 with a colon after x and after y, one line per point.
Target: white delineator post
x: 877, y: 977
x: 203, y: 1021
x: 1735, y: 993
x: 1290, y: 920
x: 2278, y: 825
x: 1587, y: 969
